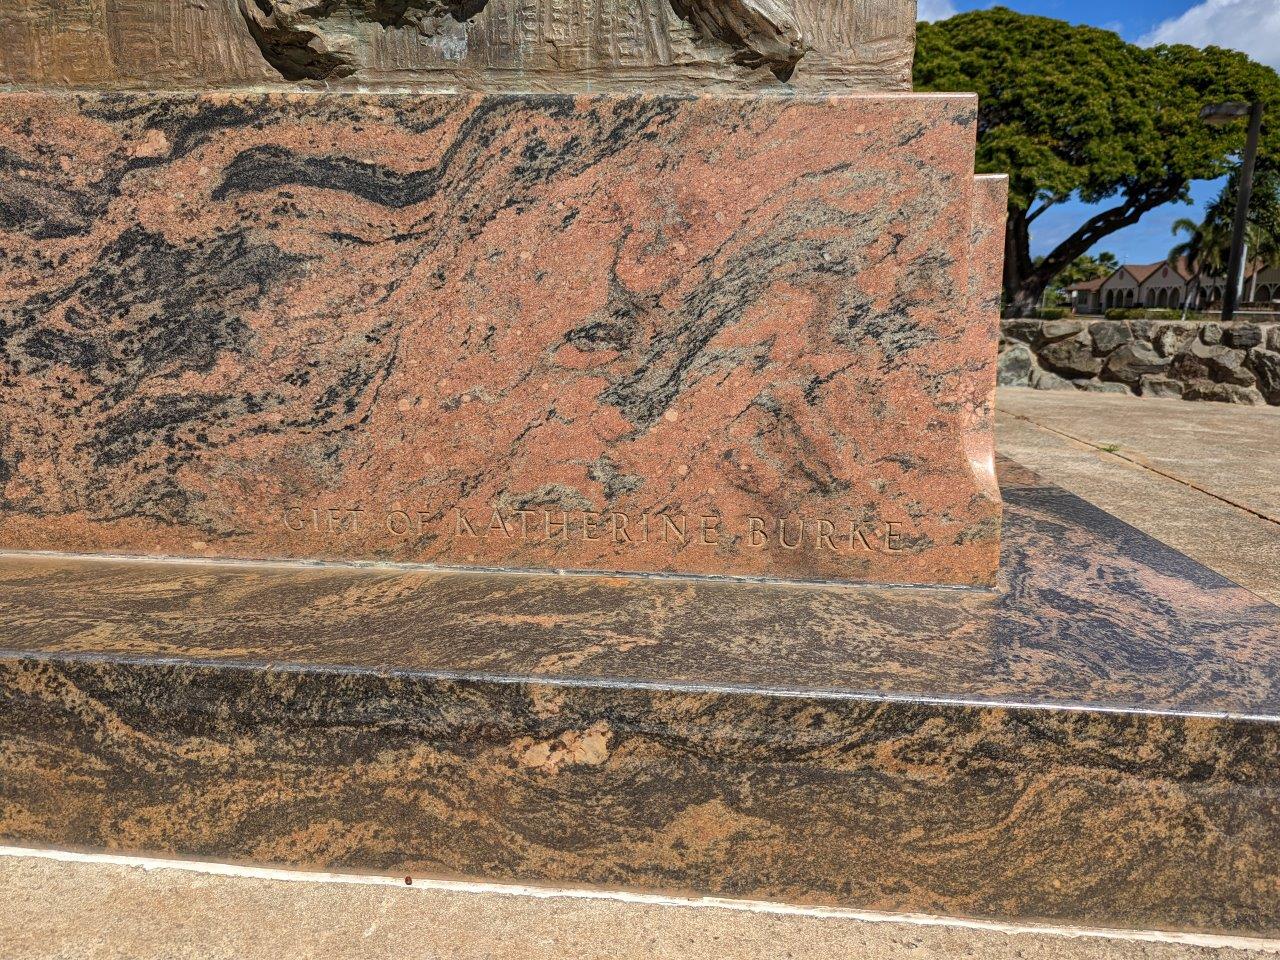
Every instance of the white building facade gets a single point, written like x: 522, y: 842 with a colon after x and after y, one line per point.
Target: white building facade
x: 1169, y: 286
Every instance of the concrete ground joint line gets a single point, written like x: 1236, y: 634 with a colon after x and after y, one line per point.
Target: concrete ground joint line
x: 1142, y: 464
x: 476, y: 887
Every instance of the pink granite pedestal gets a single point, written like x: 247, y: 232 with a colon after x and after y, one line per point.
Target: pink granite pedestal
x: 734, y: 336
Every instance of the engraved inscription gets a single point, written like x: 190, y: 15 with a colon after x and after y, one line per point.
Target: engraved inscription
x: 563, y: 526
x: 556, y: 527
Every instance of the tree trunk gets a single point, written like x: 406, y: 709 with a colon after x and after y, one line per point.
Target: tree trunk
x: 1025, y: 281
x: 1017, y: 264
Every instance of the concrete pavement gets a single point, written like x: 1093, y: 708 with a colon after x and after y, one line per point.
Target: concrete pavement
x: 112, y: 911
x: 1202, y: 477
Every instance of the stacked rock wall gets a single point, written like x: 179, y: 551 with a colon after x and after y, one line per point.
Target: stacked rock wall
x: 1194, y: 360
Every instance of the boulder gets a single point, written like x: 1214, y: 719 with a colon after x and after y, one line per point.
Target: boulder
x: 1072, y: 357
x: 1215, y: 363
x: 1014, y: 367
x: 1100, y: 386
x: 1242, y: 337
x: 1131, y: 362
x: 1142, y: 327
x: 1109, y: 334
x: 1222, y: 392
x: 1044, y: 380
x: 1211, y: 333
x: 1273, y: 338
x: 1028, y: 331
x: 1060, y: 329
x: 1172, y: 337
x: 1156, y: 386
x: 1266, y: 366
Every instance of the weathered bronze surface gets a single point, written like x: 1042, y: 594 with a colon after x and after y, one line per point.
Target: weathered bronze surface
x: 1097, y: 743
x: 561, y: 45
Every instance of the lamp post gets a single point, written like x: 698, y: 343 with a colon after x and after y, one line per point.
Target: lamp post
x: 1219, y: 115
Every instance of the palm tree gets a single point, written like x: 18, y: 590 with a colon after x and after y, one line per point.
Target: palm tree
x: 1202, y: 251
x: 1206, y: 248
x: 1187, y: 251
x: 1262, y: 230
x: 1262, y: 243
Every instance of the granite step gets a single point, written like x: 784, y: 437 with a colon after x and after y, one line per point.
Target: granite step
x: 1097, y: 742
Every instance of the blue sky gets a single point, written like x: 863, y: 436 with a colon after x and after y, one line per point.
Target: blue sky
x: 1249, y: 25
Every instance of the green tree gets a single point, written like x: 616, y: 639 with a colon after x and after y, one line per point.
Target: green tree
x: 1203, y: 248
x: 1082, y: 268
x: 1086, y: 267
x: 1262, y: 232
x: 1206, y: 246
x: 1075, y: 111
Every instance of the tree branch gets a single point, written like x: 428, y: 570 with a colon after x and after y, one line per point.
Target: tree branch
x: 1041, y: 209
x: 1098, y: 226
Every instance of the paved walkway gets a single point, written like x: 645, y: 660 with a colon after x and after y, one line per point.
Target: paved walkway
x: 116, y: 911
x: 1202, y: 477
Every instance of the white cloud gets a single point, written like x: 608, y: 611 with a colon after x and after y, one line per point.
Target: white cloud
x: 1252, y: 26
x: 935, y: 10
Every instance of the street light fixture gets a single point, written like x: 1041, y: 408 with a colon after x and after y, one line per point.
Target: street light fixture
x: 1220, y: 115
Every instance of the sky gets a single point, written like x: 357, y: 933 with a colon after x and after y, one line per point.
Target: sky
x: 1249, y: 25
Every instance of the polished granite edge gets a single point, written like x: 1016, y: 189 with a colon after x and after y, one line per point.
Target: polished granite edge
x: 691, y: 687
x: 1120, y: 820
x: 680, y: 737
x: 1090, y: 612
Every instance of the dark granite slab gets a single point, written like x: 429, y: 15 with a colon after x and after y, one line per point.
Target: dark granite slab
x: 1096, y: 742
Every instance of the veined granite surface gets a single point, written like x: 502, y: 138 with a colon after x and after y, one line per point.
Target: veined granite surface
x: 1097, y: 742
x: 706, y: 335
x: 986, y: 284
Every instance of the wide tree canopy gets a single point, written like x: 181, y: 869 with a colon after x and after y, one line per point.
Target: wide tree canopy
x: 1072, y: 110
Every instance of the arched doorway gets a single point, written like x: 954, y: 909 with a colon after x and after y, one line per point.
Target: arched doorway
x: 1162, y: 299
